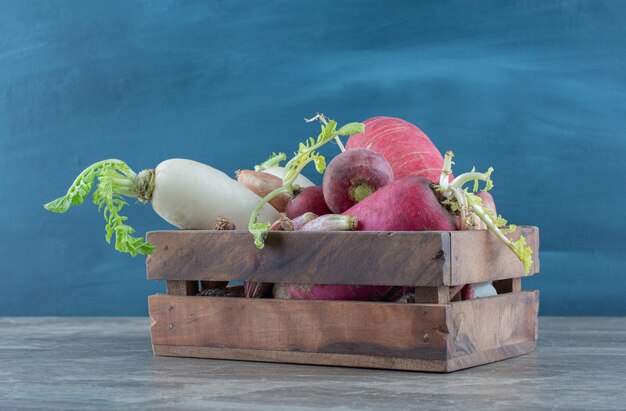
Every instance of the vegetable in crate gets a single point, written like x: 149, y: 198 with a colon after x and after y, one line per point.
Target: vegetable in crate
x: 271, y: 166
x: 307, y: 153
x: 187, y: 194
x: 330, y: 222
x: 414, y: 203
x: 262, y: 184
x: 353, y: 175
x: 307, y: 200
x: 411, y: 203
x: 407, y: 149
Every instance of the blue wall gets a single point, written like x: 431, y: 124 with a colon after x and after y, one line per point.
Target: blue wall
x: 537, y: 89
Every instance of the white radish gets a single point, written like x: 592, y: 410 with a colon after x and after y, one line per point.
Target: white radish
x: 191, y: 195
x: 187, y: 194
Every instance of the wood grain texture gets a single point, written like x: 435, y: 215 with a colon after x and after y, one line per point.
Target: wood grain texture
x: 332, y: 327
x: 491, y: 323
x: 417, y: 337
x: 376, y: 258
x: 349, y: 360
x: 294, y: 357
x: 373, y: 258
x: 432, y: 295
x: 478, y: 256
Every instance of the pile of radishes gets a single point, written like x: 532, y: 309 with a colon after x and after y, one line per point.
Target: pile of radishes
x: 389, y: 177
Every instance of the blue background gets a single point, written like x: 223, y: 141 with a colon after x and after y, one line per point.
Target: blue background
x: 536, y: 89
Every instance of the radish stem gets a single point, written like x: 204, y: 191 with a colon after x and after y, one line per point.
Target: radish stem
x: 458, y: 200
x: 306, y: 154
x: 324, y: 121
x: 274, y: 160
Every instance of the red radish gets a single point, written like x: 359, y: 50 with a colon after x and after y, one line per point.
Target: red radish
x: 407, y: 204
x: 309, y: 199
x: 300, y: 221
x: 415, y: 204
x: 262, y: 184
x: 354, y: 175
x: 409, y: 151
x: 467, y: 292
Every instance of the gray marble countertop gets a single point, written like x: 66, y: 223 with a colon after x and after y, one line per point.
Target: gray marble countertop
x: 107, y: 363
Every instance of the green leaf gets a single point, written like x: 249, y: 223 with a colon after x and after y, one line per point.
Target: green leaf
x: 524, y: 253
x: 75, y: 195
x: 259, y: 233
x: 351, y: 129
x: 114, y: 179
x: 320, y: 162
x: 328, y: 132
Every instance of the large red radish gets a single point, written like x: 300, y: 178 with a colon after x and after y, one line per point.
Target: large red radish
x: 407, y: 204
x: 407, y: 148
x: 416, y: 204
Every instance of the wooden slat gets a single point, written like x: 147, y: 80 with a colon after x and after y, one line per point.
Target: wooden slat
x: 373, y: 258
x: 416, y: 337
x: 489, y: 356
x: 491, y: 323
x: 294, y: 357
x: 175, y: 287
x: 478, y: 256
x: 331, y: 327
x: 432, y: 295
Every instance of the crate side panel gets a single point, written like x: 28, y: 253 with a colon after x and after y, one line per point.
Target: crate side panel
x: 342, y: 360
x: 493, y: 323
x: 478, y: 256
x: 376, y: 258
x: 332, y: 327
x: 489, y: 356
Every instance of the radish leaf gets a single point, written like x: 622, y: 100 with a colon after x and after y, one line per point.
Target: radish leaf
x: 115, y: 179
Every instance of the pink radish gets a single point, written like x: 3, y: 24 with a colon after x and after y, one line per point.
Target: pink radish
x: 409, y: 151
x: 307, y: 200
x: 415, y: 204
x: 407, y: 204
x: 354, y: 175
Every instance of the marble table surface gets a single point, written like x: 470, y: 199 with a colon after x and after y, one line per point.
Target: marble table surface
x: 107, y: 363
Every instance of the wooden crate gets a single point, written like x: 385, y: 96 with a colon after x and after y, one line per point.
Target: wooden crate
x: 434, y: 334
